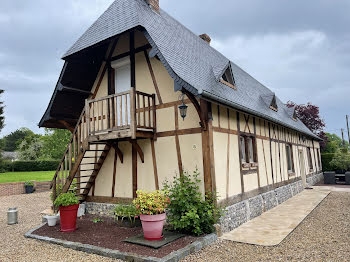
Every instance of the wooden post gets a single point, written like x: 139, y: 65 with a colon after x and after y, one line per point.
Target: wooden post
x: 133, y: 113
x: 347, y: 126
x: 87, y: 113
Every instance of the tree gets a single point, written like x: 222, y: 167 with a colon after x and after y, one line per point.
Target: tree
x: 334, y: 143
x: 309, y: 114
x: 12, y: 141
x: 55, y: 142
x: 30, y: 148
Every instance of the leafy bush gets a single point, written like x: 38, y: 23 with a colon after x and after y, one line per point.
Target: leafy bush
x: 341, y: 160
x: 66, y: 199
x: 151, y: 203
x: 29, y: 183
x: 326, y: 159
x: 126, y: 211
x: 188, y: 211
x: 23, y: 166
x: 97, y: 220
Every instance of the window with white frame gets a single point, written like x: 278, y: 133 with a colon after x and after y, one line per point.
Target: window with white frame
x: 289, y: 155
x: 248, y: 149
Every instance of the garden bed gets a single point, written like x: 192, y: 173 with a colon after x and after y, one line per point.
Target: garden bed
x: 107, y: 234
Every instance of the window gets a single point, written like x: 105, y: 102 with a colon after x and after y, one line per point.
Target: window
x: 248, y: 149
x: 243, y: 149
x: 309, y: 158
x: 227, y: 78
x: 273, y: 105
x: 319, y: 159
x: 289, y: 154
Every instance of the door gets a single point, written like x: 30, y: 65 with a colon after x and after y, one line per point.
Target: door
x: 302, y: 167
x: 122, y: 77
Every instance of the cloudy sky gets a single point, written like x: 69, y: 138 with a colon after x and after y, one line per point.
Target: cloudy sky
x: 299, y: 49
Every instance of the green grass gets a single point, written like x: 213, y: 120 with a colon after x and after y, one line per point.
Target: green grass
x: 10, y: 177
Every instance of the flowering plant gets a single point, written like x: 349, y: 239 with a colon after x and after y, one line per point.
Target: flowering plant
x: 153, y: 203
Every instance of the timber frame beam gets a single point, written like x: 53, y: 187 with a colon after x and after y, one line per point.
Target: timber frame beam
x: 118, y: 152
x: 137, y: 147
x: 194, y: 101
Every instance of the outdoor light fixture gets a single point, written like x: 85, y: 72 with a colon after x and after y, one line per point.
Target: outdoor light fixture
x: 183, y: 107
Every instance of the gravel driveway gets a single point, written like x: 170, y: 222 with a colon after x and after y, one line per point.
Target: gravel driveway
x: 318, y: 238
x: 323, y: 236
x: 13, y: 245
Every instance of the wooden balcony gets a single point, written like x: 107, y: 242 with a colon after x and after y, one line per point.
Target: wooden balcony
x: 130, y: 114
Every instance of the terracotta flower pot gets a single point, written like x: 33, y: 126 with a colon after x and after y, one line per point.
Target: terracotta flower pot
x: 152, y: 226
x: 68, y: 218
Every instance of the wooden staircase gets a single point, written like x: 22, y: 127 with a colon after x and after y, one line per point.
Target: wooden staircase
x: 80, y: 163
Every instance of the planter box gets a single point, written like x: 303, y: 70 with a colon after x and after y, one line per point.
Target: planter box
x: 29, y: 189
x: 347, y: 178
x: 329, y: 177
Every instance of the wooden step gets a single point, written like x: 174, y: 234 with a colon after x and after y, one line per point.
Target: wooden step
x: 92, y: 169
x: 78, y: 183
x: 79, y: 188
x: 97, y: 150
x: 87, y: 176
x: 90, y: 164
x: 102, y: 157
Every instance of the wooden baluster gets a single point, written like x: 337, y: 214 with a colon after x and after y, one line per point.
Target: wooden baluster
x: 54, y: 189
x: 154, y: 114
x: 126, y: 110
x: 87, y: 117
x: 62, y: 182
x: 138, y: 110
x: 98, y: 115
x: 70, y: 157
x: 115, y: 111
x: 93, y: 117
x: 65, y: 167
x: 120, y: 110
x: 149, y: 112
x: 74, y: 146
x: 144, y: 111
x: 102, y: 115
x: 133, y: 113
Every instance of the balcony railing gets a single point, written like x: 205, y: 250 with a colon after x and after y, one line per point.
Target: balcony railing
x: 131, y: 111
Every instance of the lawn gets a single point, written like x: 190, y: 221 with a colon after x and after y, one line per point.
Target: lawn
x: 10, y: 177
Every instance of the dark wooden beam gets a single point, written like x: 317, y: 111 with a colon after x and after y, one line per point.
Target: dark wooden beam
x: 67, y: 125
x: 137, y: 50
x: 119, y: 152
x: 138, y: 149
x: 153, y: 77
x: 194, y: 101
x: 66, y: 88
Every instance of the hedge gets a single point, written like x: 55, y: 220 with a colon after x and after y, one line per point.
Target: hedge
x: 22, y: 166
x: 326, y: 159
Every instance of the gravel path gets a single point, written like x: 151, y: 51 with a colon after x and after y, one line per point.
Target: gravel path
x: 316, y: 239
x: 323, y: 236
x: 13, y: 245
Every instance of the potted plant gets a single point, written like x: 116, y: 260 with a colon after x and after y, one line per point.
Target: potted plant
x: 127, y: 216
x: 151, y: 207
x: 51, y: 220
x: 29, y: 187
x: 68, y: 205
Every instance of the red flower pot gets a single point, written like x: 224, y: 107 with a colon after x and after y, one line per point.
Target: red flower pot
x: 152, y: 226
x: 68, y: 218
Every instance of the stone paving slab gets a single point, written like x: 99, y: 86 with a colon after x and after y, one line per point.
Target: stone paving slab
x: 168, y: 237
x: 273, y: 226
x: 333, y: 188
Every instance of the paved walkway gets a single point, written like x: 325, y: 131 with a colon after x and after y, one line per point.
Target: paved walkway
x: 273, y: 226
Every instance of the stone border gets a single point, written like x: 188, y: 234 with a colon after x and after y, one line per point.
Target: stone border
x: 17, y: 188
x: 241, y: 212
x: 172, y: 257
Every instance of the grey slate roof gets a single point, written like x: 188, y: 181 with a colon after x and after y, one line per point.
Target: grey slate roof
x: 192, y: 63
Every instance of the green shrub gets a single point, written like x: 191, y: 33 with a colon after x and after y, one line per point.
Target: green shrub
x: 29, y: 183
x: 126, y: 211
x: 66, y: 199
x: 341, y: 160
x: 326, y: 159
x: 188, y: 211
x: 23, y: 166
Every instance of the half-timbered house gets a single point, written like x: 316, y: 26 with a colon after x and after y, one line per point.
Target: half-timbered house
x: 119, y: 94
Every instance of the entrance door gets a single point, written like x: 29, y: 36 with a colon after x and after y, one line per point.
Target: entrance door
x: 122, y: 84
x: 302, y: 167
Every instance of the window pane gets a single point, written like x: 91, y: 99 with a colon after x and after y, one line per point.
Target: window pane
x: 289, y: 158
x: 242, y: 149
x: 251, y: 150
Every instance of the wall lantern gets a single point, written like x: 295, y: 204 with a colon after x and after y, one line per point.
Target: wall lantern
x: 183, y: 107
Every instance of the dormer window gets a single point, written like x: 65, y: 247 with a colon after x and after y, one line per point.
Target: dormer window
x: 227, y: 78
x: 273, y: 104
